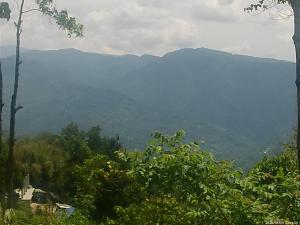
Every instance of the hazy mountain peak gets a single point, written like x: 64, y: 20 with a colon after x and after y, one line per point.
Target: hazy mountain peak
x: 197, y: 51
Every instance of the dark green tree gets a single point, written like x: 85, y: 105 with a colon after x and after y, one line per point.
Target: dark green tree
x: 94, y: 138
x: 102, y: 184
x: 295, y: 5
x: 74, y: 143
x: 101, y: 144
x: 65, y: 22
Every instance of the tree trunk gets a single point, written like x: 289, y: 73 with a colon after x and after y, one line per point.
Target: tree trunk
x: 296, y: 8
x: 2, y: 187
x: 13, y: 111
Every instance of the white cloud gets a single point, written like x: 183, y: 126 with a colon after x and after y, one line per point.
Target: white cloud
x: 241, y: 48
x: 158, y: 26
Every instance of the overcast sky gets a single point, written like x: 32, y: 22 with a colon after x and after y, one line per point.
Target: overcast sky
x: 160, y: 26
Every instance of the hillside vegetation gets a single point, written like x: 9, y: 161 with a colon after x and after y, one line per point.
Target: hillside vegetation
x: 171, y: 182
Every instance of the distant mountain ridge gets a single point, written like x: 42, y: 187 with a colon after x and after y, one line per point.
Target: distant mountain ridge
x: 239, y: 105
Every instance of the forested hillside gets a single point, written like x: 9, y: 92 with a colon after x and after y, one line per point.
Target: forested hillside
x: 237, y: 105
x: 170, y: 182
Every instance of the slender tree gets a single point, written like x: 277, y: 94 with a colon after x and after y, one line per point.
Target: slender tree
x: 65, y: 22
x: 295, y: 5
x: 4, y: 14
x: 2, y: 188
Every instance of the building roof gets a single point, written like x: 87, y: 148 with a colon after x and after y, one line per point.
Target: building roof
x: 63, y: 206
x: 39, y: 191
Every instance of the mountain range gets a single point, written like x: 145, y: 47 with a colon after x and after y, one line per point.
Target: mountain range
x: 236, y: 106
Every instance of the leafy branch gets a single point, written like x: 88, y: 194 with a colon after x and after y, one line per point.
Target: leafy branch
x: 62, y: 18
x: 265, y: 4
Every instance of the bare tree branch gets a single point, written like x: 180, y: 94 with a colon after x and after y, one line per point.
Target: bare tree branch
x: 30, y: 10
x: 18, y: 108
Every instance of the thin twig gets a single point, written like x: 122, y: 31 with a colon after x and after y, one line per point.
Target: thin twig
x: 30, y: 10
x: 17, y: 4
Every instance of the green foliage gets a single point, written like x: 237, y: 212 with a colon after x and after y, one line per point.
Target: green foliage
x: 22, y: 215
x: 101, y: 185
x: 4, y: 11
x: 43, y: 159
x: 62, y: 18
x: 265, y: 4
x: 273, y: 187
x: 81, y: 145
x: 102, y: 145
x: 51, y: 159
x: 157, y: 210
x: 76, y: 219
x: 181, y: 184
x: 94, y: 139
x: 170, y: 183
x: 9, y: 217
x: 3, y: 157
x: 73, y: 140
